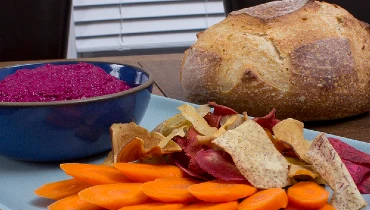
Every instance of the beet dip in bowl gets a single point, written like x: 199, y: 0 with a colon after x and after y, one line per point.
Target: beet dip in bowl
x: 59, y: 111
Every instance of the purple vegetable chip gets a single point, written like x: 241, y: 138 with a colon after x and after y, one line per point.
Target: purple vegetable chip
x: 219, y: 165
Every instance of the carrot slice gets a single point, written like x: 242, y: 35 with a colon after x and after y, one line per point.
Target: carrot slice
x: 114, y: 196
x: 155, y: 206
x: 232, y: 205
x: 170, y: 190
x: 221, y: 191
x: 140, y: 172
x: 308, y: 194
x: 60, y: 189
x: 94, y: 174
x: 271, y: 199
x: 327, y: 207
x: 73, y: 202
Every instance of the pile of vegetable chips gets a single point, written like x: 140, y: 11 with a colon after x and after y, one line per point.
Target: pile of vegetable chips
x: 215, y: 142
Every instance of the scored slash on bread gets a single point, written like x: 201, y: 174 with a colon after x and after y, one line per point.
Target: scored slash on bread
x: 308, y: 59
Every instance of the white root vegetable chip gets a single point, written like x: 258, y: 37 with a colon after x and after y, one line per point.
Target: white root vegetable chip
x: 199, y: 123
x: 326, y: 161
x: 131, y: 142
x: 291, y: 131
x: 255, y: 155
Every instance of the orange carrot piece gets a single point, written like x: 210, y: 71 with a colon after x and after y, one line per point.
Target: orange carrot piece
x: 271, y: 199
x: 308, y: 195
x: 221, y: 191
x: 155, y: 206
x: 114, y: 196
x: 232, y: 205
x: 170, y: 190
x: 73, y: 202
x: 60, y: 189
x: 292, y: 207
x: 327, y: 207
x: 94, y: 174
x: 140, y: 172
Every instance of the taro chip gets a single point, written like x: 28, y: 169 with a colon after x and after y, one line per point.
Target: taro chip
x: 290, y: 131
x: 331, y: 168
x: 199, y: 123
x: 130, y: 141
x: 255, y: 155
x: 109, y: 159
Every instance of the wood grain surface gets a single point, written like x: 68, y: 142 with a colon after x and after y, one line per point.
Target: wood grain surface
x: 166, y: 68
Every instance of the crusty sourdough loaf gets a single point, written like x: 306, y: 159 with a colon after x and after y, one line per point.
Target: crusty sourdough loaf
x: 308, y: 59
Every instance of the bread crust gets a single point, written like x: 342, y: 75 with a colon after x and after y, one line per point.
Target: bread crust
x: 308, y: 59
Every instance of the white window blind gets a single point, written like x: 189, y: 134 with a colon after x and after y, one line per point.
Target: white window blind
x: 114, y: 25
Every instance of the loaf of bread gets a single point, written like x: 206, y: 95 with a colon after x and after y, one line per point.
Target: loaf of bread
x: 308, y: 59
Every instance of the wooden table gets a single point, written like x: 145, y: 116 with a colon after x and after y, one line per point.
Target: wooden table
x: 167, y: 78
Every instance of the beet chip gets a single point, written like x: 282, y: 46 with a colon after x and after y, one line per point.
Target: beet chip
x: 357, y: 163
x: 219, y: 164
x: 268, y: 121
x: 357, y: 171
x: 347, y: 152
x: 221, y: 110
x: 213, y: 120
x: 364, y: 186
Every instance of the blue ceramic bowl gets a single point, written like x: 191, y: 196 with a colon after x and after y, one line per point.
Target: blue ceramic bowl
x: 65, y: 130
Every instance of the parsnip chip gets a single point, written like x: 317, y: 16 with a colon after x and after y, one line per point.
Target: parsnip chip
x: 175, y: 132
x: 130, y: 141
x: 291, y: 132
x: 255, y: 155
x: 229, y: 123
x: 199, y: 123
x: 179, y: 120
x: 329, y: 165
x: 298, y: 170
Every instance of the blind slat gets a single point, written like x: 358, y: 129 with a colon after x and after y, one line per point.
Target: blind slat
x: 142, y: 41
x: 146, y: 11
x: 145, y: 26
x: 106, y: 2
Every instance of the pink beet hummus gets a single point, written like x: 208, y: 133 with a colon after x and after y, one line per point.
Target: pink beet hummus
x: 58, y: 83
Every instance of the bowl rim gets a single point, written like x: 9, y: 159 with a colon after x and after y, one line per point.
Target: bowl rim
x: 142, y: 86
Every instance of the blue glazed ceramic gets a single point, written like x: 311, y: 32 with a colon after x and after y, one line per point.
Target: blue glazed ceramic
x: 66, y: 130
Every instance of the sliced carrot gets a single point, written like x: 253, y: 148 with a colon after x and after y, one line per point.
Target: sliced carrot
x: 140, y: 172
x: 271, y: 199
x: 94, y: 174
x: 327, y: 207
x: 114, y: 196
x: 308, y: 194
x: 170, y: 190
x: 155, y: 206
x: 232, y: 205
x: 221, y: 191
x: 73, y: 202
x: 291, y: 207
x: 61, y: 189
